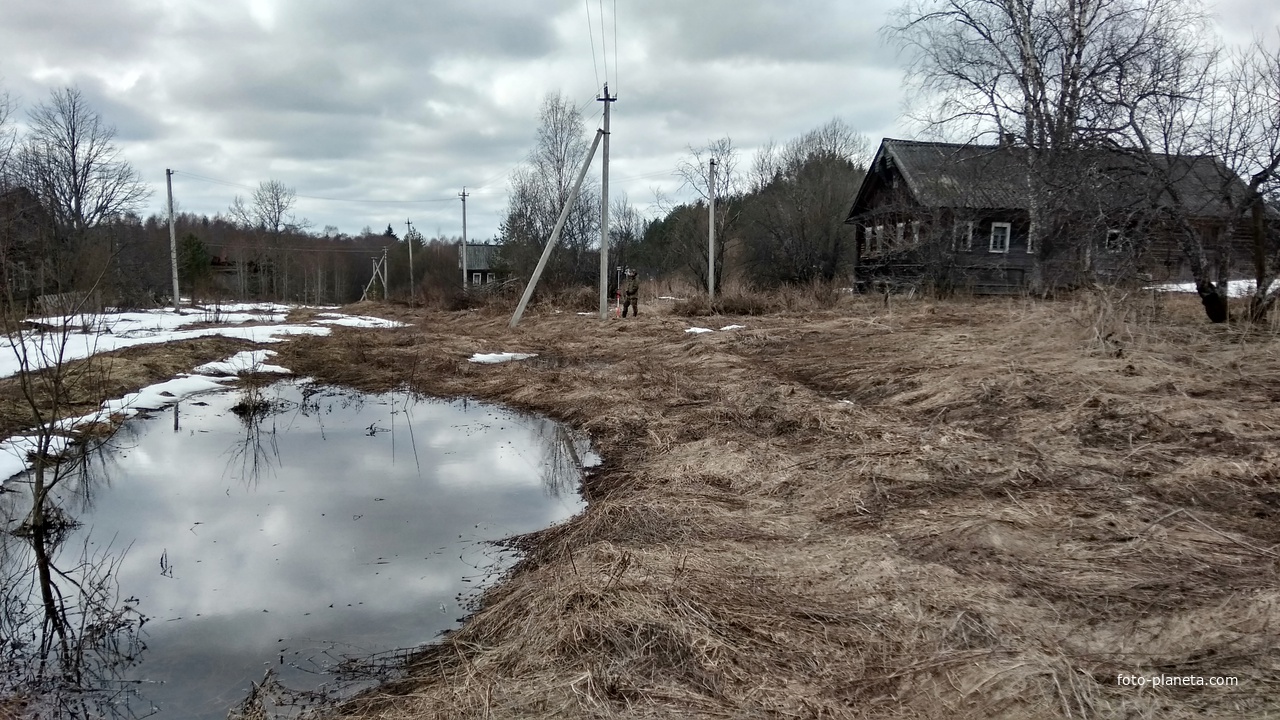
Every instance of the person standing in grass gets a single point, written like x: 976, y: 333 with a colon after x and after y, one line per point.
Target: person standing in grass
x: 631, y: 293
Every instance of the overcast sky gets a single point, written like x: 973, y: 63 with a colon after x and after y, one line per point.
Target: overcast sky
x: 387, y: 108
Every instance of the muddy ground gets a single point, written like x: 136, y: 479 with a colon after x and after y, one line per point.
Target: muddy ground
x: 960, y: 509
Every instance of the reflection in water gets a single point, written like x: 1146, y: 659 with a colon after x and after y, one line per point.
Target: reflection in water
x: 289, y: 529
x: 66, y: 639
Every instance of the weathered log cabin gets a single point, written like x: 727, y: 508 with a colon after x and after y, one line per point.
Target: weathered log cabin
x: 958, y: 217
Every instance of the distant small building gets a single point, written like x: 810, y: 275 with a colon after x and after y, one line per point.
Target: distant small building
x: 480, y: 263
x: 959, y: 215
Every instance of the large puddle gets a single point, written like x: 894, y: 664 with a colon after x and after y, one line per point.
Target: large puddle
x: 306, y: 526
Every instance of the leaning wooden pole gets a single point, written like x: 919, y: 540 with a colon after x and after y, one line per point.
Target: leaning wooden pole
x: 555, y: 233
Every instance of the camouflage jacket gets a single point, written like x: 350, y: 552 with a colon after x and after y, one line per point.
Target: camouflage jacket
x: 632, y: 286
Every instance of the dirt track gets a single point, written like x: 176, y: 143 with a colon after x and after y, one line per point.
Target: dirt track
x: 969, y: 509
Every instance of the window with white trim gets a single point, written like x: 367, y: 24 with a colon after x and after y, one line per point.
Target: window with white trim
x: 477, y: 278
x: 897, y: 238
x: 1000, y: 237
x: 878, y: 245
x: 915, y: 232
x: 1115, y: 240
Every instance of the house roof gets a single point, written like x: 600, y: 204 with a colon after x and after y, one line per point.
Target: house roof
x: 994, y: 177
x: 479, y: 257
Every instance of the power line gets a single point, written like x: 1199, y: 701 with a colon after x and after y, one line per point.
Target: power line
x: 615, y: 48
x: 591, y: 33
x: 227, y: 183
x: 604, y: 51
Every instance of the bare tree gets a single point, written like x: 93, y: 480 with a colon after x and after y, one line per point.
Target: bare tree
x: 689, y: 239
x: 1244, y: 133
x: 796, y: 230
x: 1042, y: 74
x: 8, y: 138
x: 70, y: 159
x: 539, y: 191
x: 270, y: 213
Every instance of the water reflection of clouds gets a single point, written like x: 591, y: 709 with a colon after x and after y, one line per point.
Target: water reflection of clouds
x: 336, y: 522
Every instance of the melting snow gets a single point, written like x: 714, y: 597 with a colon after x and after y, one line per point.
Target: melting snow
x: 733, y: 327
x: 491, y: 358
x: 359, y: 321
x: 74, y: 337
x: 698, y: 330
x: 248, y: 361
x: 1235, y: 288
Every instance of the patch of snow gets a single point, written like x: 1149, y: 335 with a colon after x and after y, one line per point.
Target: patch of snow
x: 667, y: 297
x: 75, y: 337
x: 1235, y: 288
x: 733, y: 327
x: 698, y: 330
x: 162, y: 395
x: 247, y: 361
x: 43, y: 350
x: 15, y: 451
x: 491, y: 358
x: 362, y: 321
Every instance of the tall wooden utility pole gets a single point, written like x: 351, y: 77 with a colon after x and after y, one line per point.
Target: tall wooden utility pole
x: 465, y: 277
x: 604, y: 209
x: 173, y: 239
x: 711, y: 235
x: 555, y: 232
x: 408, y: 238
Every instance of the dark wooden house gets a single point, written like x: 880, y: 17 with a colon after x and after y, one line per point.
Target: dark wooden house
x: 481, y: 260
x: 958, y: 216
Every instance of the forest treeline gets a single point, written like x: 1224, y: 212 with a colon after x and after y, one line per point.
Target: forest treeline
x: 70, y: 222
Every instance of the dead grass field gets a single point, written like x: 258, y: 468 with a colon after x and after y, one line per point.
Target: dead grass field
x: 961, y: 509
x: 966, y: 509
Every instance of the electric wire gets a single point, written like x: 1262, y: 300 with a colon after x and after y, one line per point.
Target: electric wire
x: 604, y: 51
x: 591, y: 33
x: 615, y: 48
x: 216, y: 181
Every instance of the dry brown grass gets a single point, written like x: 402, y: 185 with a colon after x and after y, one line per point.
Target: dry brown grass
x: 964, y: 509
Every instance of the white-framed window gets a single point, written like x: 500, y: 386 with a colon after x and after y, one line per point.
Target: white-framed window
x: 1114, y: 241
x: 897, y: 238
x: 1000, y: 237
x: 915, y: 232
x: 878, y: 245
x: 477, y: 278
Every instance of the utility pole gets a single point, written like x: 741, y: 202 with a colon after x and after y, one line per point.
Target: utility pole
x: 555, y: 232
x: 711, y: 236
x: 173, y: 239
x: 408, y: 237
x: 463, y: 195
x: 604, y: 210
